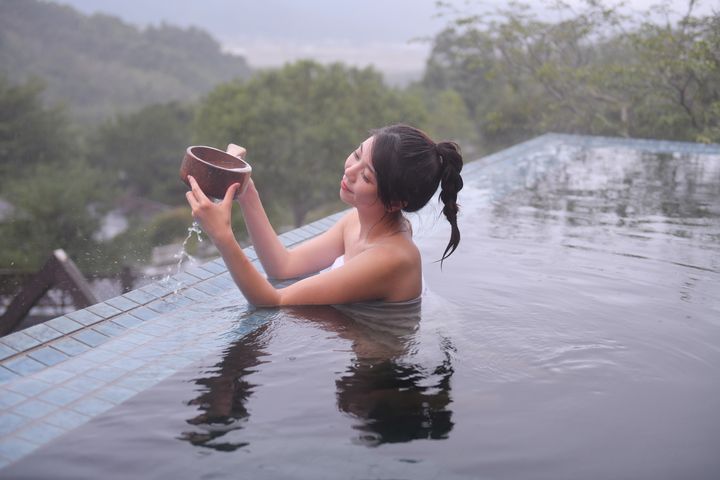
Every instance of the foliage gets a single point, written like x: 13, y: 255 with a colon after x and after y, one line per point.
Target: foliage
x: 99, y: 65
x: 30, y: 133
x: 592, y: 71
x: 680, y: 66
x: 299, y: 123
x: 57, y: 205
x: 490, y: 82
x: 449, y: 118
x: 142, y: 151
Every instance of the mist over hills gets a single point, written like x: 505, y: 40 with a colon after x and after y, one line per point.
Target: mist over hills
x: 381, y: 33
x: 98, y: 65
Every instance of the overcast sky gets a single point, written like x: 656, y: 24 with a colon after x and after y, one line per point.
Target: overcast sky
x: 272, y: 32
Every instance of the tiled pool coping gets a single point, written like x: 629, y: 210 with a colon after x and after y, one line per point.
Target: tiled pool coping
x: 58, y: 375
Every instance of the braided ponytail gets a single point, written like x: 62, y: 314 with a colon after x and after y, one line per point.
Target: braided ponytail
x: 409, y: 167
x: 451, y: 183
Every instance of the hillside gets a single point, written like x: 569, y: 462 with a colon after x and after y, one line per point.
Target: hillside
x: 98, y: 65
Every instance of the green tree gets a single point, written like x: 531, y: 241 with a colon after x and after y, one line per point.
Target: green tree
x: 55, y: 206
x: 99, y: 65
x: 57, y: 199
x: 595, y: 70
x: 299, y: 123
x: 679, y: 64
x: 30, y: 133
x: 142, y: 151
x: 463, y: 60
x: 449, y: 119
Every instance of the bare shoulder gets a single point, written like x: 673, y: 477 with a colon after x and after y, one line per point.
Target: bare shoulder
x: 389, y: 271
x: 397, y: 260
x: 398, y: 253
x: 397, y: 266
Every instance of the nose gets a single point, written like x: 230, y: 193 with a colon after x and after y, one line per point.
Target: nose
x: 352, y: 170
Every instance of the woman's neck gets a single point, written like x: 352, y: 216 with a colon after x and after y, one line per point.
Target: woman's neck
x: 377, y: 223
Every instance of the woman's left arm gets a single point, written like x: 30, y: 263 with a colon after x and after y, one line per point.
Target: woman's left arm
x: 371, y: 275
x: 374, y: 274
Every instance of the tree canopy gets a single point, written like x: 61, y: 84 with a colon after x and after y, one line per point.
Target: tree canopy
x: 30, y: 133
x: 299, y: 123
x: 141, y: 151
x: 56, y: 205
x: 99, y: 65
x: 490, y: 81
x: 594, y: 71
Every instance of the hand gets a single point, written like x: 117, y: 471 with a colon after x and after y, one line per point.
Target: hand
x: 213, y: 217
x: 240, y: 152
x: 236, y: 150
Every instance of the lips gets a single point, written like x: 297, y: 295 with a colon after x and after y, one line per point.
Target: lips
x: 344, y: 186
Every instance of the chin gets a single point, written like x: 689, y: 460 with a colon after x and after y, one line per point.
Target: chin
x: 343, y: 198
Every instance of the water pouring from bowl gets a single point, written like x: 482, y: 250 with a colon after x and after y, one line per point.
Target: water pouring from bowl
x: 215, y: 171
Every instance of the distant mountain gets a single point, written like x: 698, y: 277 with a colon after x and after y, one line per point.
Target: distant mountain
x: 98, y: 65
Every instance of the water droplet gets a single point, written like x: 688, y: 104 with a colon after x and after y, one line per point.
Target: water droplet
x: 183, y: 255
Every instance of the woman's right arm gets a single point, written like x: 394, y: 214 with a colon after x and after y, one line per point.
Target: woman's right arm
x: 279, y: 262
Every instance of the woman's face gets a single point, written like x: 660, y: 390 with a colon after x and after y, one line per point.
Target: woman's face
x: 358, y: 187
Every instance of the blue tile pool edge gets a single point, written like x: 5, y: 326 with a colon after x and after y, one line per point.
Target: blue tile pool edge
x: 33, y: 408
x: 39, y: 402
x: 28, y: 357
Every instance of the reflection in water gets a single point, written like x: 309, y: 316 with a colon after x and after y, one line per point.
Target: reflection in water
x: 595, y: 186
x: 396, y: 401
x: 393, y: 398
x: 222, y: 402
x: 640, y: 196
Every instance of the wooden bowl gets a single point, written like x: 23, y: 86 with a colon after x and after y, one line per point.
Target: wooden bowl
x: 214, y: 170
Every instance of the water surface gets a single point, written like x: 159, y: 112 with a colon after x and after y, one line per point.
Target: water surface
x: 574, y: 334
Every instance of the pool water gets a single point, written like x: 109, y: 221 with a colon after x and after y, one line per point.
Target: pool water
x: 575, y: 333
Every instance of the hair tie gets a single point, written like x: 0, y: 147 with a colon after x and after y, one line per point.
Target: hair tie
x: 440, y: 157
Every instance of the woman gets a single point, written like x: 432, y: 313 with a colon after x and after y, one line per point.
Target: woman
x: 397, y: 169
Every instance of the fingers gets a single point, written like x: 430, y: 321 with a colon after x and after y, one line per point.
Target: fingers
x: 247, y: 192
x: 193, y: 183
x: 196, y: 190
x: 230, y: 193
x: 195, y: 197
x: 192, y: 200
x: 198, y: 200
x: 236, y: 150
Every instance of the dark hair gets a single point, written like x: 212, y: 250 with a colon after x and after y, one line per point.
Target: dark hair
x: 410, y: 166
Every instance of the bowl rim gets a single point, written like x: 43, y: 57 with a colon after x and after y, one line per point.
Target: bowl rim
x: 246, y: 169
